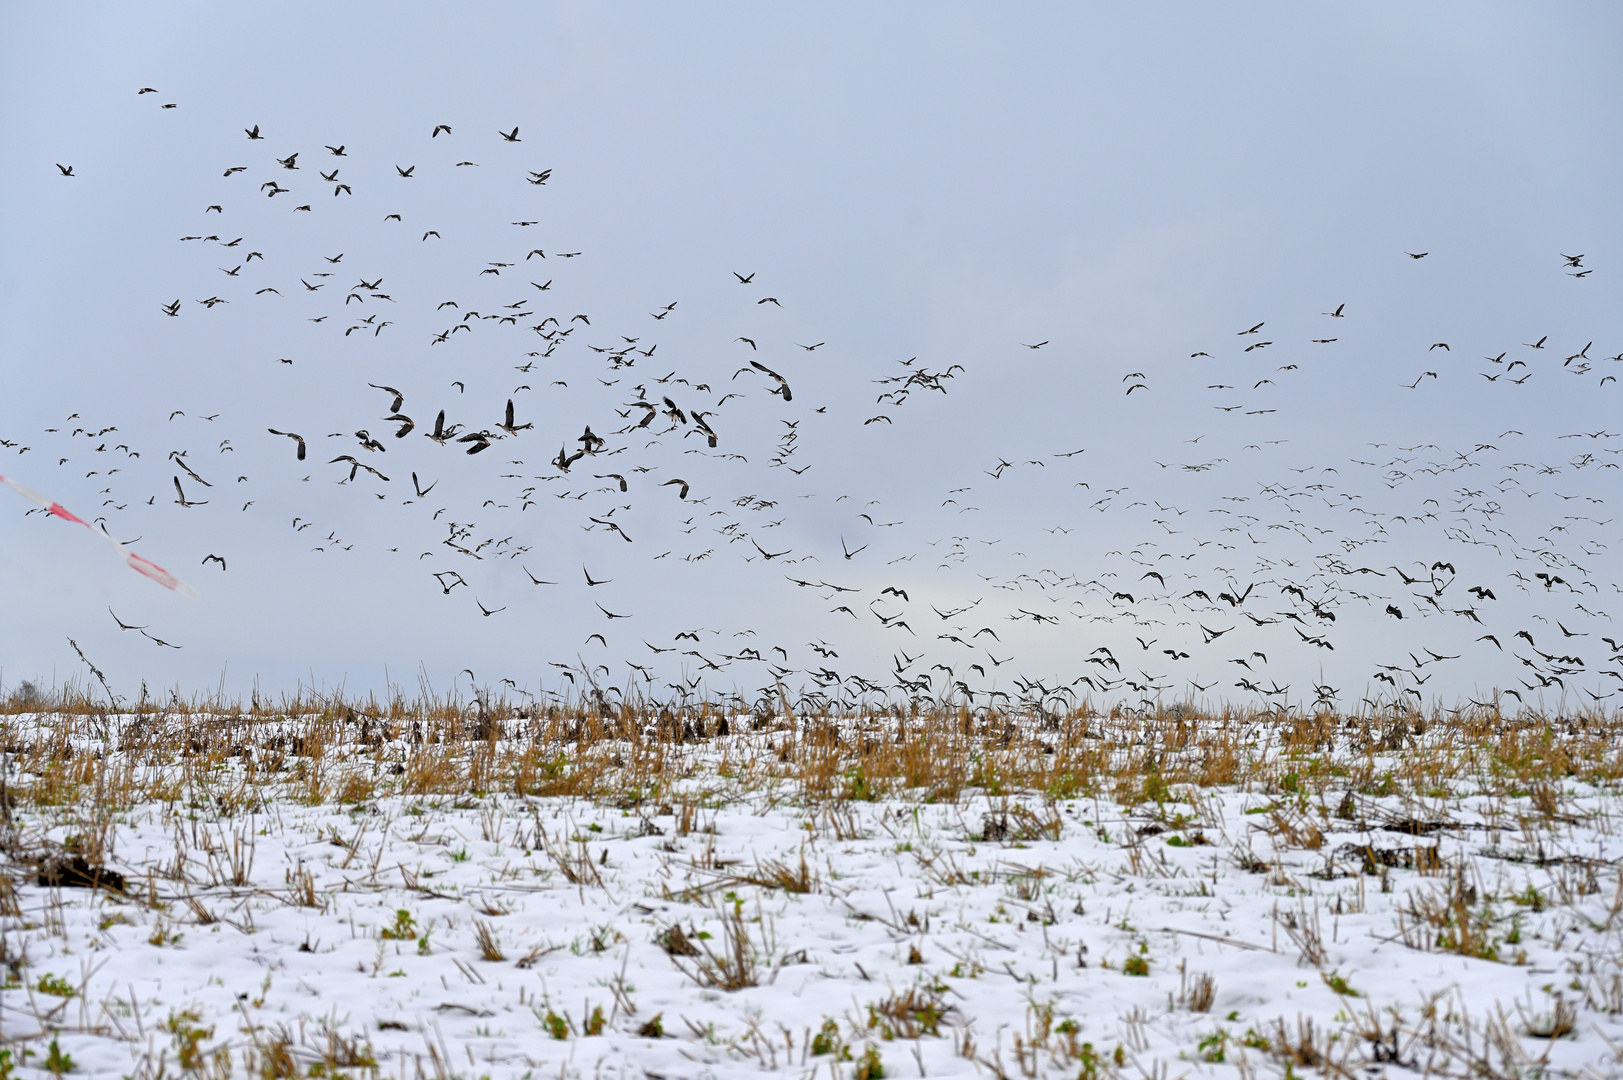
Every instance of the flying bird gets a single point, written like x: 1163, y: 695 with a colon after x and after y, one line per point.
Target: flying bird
x: 508, y: 425
x: 182, y: 500
x: 783, y: 384
x: 296, y: 438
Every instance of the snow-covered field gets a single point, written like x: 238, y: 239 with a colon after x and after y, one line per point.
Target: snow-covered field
x: 1333, y: 897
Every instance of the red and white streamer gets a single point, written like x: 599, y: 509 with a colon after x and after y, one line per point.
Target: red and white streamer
x: 132, y: 560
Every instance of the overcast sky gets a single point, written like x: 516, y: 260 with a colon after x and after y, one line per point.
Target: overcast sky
x: 921, y: 188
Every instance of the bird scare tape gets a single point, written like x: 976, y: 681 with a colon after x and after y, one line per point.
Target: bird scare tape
x: 131, y: 559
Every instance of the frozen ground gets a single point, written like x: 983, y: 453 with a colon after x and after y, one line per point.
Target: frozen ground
x: 729, y: 925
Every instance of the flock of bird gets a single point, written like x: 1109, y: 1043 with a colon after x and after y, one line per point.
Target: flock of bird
x: 1209, y: 597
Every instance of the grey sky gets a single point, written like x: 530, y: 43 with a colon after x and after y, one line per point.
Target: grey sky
x: 1129, y: 184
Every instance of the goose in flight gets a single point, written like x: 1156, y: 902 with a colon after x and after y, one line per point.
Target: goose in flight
x: 508, y: 425
x: 783, y: 384
x: 441, y: 434
x: 296, y: 438
x: 399, y: 398
x: 182, y: 500
x: 355, y: 465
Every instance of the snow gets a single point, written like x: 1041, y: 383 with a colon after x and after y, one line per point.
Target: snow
x: 1016, y: 920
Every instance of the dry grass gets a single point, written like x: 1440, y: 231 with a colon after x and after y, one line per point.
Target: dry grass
x: 485, y: 938
x: 737, y: 964
x: 233, y: 757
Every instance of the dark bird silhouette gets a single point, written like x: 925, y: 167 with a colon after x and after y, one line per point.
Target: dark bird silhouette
x: 783, y: 384
x: 768, y: 555
x: 442, y: 434
x: 122, y: 625
x: 296, y: 438
x: 355, y: 466
x: 399, y: 398
x: 508, y: 425
x: 182, y: 500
